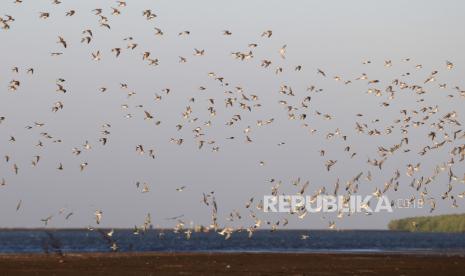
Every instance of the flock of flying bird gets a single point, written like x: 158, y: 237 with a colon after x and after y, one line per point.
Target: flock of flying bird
x: 445, y: 129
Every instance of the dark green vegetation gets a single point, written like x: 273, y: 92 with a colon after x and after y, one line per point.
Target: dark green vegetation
x: 443, y: 223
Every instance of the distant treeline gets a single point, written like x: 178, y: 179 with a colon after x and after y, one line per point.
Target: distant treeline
x: 443, y: 223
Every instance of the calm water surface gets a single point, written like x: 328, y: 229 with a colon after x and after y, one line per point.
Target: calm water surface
x: 33, y: 241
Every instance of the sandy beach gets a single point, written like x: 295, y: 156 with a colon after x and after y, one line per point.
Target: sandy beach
x: 232, y: 264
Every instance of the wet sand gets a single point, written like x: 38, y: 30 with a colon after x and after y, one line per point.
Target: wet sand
x: 232, y: 264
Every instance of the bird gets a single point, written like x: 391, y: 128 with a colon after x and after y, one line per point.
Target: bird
x: 332, y: 225
x: 321, y: 72
x: 15, y: 169
x: 96, y: 56
x: 145, y: 188
x: 116, y: 51
x: 148, y: 116
x: 62, y: 41
x: 46, y: 220
x: 60, y: 88
x: 449, y: 65
x: 267, y: 33
x: 183, y: 33
x: 282, y: 51
x: 44, y: 15
x: 329, y: 164
x: 70, y: 13
x: 148, y: 14
x: 198, y: 52
x: 98, y: 216
x: 158, y: 32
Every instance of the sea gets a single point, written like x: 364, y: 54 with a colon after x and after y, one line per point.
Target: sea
x: 318, y: 241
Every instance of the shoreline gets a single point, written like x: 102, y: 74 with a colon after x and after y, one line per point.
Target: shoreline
x: 348, y: 252
x: 232, y: 264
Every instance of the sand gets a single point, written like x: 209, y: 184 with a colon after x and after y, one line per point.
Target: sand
x: 232, y: 264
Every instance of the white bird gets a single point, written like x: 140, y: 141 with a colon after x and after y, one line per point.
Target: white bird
x: 98, y: 216
x: 282, y: 52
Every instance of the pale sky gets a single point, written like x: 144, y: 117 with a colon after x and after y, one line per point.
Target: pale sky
x: 335, y: 36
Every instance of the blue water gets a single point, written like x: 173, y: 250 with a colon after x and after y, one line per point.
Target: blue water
x: 33, y: 241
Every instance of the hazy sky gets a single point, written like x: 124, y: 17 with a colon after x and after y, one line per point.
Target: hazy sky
x: 335, y: 36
